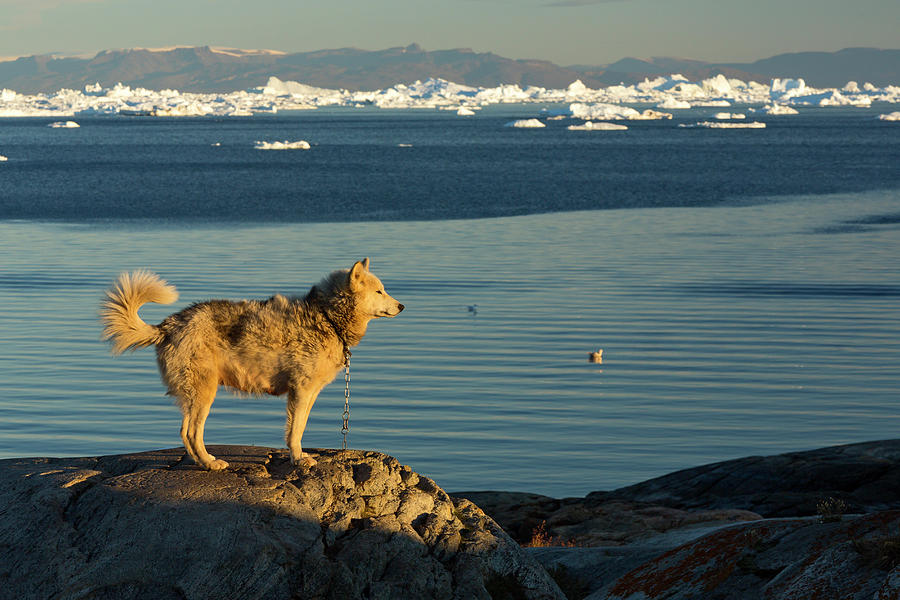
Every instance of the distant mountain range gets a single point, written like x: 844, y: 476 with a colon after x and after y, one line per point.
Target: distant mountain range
x: 209, y: 69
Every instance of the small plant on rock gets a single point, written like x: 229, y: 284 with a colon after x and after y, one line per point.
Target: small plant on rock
x: 541, y: 538
x: 831, y: 510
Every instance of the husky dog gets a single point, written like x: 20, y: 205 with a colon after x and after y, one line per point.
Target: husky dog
x: 275, y: 346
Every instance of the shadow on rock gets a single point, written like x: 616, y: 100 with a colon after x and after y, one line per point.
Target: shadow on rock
x: 356, y: 525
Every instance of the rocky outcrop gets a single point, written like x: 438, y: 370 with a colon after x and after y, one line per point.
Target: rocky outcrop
x: 866, y: 477
x: 152, y: 525
x: 776, y: 559
x: 863, y: 478
x: 532, y: 519
x: 700, y: 533
x: 857, y: 558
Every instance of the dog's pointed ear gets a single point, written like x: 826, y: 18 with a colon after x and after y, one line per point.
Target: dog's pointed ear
x: 359, y: 269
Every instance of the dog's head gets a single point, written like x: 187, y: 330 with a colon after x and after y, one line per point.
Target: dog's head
x: 371, y: 298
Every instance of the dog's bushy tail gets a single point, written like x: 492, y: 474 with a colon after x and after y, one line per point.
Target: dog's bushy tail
x: 119, y: 312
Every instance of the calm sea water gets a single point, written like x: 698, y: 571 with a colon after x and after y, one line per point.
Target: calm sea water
x: 754, y: 311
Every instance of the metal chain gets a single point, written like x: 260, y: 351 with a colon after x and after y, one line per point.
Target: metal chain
x: 345, y: 428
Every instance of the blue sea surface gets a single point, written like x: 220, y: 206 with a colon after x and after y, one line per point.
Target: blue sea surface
x: 743, y: 284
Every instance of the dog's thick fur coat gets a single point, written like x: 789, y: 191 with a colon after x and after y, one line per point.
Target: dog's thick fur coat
x: 276, y: 346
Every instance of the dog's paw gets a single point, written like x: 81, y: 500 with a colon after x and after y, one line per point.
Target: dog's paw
x: 304, y: 460
x: 217, y: 464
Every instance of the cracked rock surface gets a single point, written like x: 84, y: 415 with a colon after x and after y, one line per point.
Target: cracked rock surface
x: 152, y: 525
x: 699, y: 533
x: 865, y: 476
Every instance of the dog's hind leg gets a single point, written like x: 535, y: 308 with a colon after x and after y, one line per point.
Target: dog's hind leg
x: 195, y: 411
x: 299, y: 404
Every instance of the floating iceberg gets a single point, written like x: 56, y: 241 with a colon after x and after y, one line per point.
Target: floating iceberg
x: 673, y: 104
x: 462, y: 111
x: 830, y: 98
x: 285, y: 145
x: 663, y: 92
x: 606, y: 112
x: 64, y: 125
x: 724, y: 116
x: 3, y: 158
x: 526, y: 123
x: 777, y: 109
x: 277, y: 87
x: 591, y: 126
x: 725, y: 125
x: 894, y: 116
x: 784, y: 89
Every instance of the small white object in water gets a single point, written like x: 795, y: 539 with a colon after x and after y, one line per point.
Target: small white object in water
x: 465, y: 112
x: 216, y: 144
x: 526, y: 123
x: 725, y: 125
x: 599, y: 126
x: 596, y: 357
x: 285, y: 145
x: 894, y: 116
x: 673, y: 103
x: 777, y: 109
x: 64, y: 125
x: 3, y: 158
x: 404, y: 145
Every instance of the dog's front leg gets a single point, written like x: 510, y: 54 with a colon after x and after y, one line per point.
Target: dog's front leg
x: 299, y: 403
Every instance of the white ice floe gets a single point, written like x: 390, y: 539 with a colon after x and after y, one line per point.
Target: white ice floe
x: 894, y: 116
x: 3, y: 158
x: 674, y: 91
x: 784, y: 89
x: 526, y: 124
x: 591, y: 126
x: 796, y: 93
x: 776, y: 109
x: 404, y: 145
x: 606, y: 112
x: 673, y: 104
x: 724, y: 116
x: 285, y: 145
x: 64, y: 125
x: 726, y: 125
x: 462, y: 111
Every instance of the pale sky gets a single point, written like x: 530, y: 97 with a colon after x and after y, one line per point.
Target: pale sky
x: 563, y: 31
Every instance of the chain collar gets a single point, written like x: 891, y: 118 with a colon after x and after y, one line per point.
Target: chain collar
x: 345, y: 424
x: 345, y: 420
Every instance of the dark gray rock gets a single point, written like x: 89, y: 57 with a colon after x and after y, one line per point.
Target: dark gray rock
x: 777, y: 559
x: 865, y: 476
x: 151, y: 525
x: 679, y: 536
x: 857, y: 558
x: 535, y: 520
